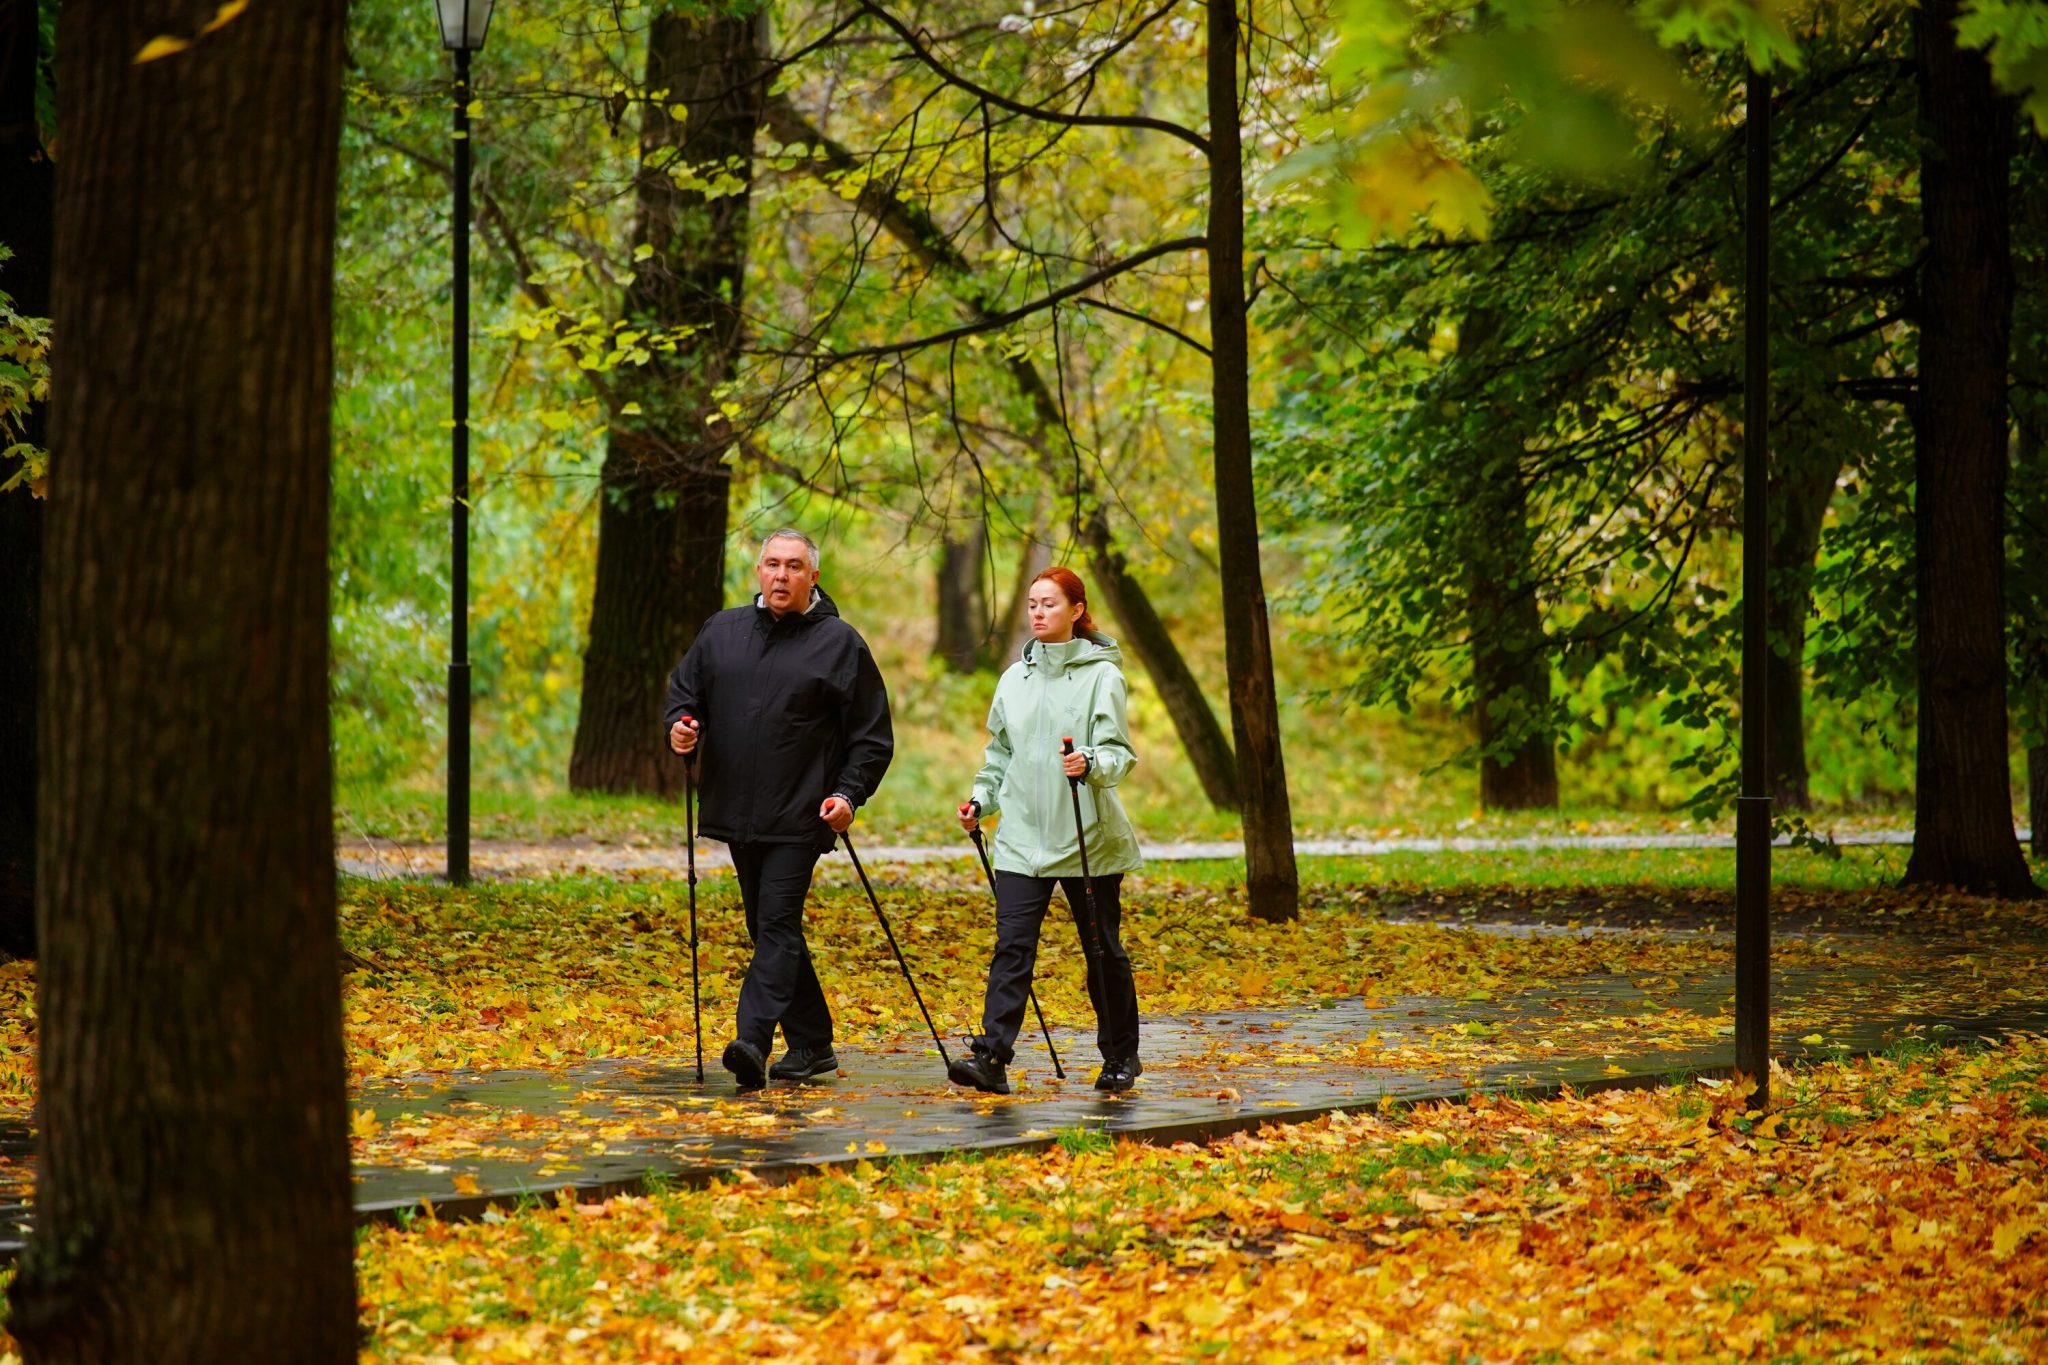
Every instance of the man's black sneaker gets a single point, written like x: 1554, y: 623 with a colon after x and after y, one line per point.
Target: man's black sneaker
x: 804, y: 1064
x: 1118, y: 1073
x: 746, y: 1064
x: 980, y: 1071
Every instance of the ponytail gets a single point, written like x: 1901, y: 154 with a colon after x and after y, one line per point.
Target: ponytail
x: 1070, y: 585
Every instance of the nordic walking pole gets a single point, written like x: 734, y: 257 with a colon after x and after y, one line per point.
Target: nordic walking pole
x: 990, y: 872
x: 1092, y: 944
x: 914, y: 992
x: 690, y: 834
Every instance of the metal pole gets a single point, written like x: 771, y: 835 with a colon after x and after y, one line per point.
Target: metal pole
x: 458, y: 620
x: 1753, y: 808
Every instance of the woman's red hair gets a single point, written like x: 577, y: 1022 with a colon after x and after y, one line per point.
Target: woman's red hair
x: 1069, y: 583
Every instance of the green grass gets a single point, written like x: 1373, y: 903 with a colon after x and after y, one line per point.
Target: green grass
x: 911, y: 809
x: 1858, y: 869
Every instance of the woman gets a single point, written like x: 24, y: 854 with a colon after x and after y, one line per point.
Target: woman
x: 1068, y: 684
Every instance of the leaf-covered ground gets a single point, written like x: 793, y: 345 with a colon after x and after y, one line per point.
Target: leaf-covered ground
x: 545, y: 975
x: 1890, y: 1209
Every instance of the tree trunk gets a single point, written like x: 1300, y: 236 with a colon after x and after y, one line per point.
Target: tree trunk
x: 964, y: 634
x: 662, y: 516
x: 1504, y: 619
x: 192, y: 1182
x: 28, y: 189
x: 1799, y: 499
x: 1150, y: 643
x: 1271, y: 881
x: 1510, y: 667
x: 1208, y: 749
x: 1036, y: 556
x: 1964, y: 829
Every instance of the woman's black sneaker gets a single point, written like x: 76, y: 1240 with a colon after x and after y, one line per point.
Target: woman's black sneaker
x: 746, y: 1064
x: 804, y: 1064
x: 980, y: 1071
x: 1119, y: 1073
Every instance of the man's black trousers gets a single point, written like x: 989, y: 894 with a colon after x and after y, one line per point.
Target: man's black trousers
x: 1020, y: 913
x: 781, y: 985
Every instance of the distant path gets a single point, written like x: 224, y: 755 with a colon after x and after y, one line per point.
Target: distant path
x: 512, y: 859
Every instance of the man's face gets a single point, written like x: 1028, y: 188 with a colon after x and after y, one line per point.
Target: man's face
x: 786, y: 576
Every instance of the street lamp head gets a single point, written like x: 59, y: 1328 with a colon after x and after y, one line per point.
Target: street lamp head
x: 463, y: 23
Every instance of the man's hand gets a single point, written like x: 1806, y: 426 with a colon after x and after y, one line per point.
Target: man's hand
x: 836, y: 813
x: 682, y: 736
x: 1074, y: 764
x: 970, y: 816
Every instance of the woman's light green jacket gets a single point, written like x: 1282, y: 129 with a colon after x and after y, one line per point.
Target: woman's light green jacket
x: 1076, y: 688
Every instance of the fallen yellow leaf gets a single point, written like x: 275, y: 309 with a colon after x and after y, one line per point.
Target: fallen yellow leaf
x: 163, y: 45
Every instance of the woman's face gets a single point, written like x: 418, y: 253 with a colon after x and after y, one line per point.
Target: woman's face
x: 1052, y: 615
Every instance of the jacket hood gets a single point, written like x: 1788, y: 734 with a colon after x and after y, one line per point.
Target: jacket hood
x: 821, y: 606
x: 1078, y: 652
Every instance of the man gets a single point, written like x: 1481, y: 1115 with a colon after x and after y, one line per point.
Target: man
x: 785, y: 710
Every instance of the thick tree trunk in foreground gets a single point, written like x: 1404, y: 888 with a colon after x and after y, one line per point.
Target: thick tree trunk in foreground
x: 192, y: 1199
x: 1799, y: 497
x: 661, y: 521
x: 1963, y: 828
x: 1270, y: 877
x: 28, y: 189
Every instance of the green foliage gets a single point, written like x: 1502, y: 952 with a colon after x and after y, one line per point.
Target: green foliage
x: 24, y: 382
x: 1556, y: 412
x: 2014, y: 36
x: 1426, y: 93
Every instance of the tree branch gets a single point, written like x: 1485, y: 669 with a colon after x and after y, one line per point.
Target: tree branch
x: 1167, y: 328
x: 993, y: 321
x: 500, y: 222
x: 959, y: 82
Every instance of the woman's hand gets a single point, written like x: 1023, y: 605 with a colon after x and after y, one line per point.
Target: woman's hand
x: 1074, y: 764
x: 970, y: 816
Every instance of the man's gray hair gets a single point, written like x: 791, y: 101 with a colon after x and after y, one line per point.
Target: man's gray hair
x: 789, y: 533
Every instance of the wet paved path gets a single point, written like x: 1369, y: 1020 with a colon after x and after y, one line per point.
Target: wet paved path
x: 1204, y: 1075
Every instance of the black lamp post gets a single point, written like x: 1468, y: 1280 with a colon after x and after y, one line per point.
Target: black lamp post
x: 1753, y: 807
x: 463, y: 25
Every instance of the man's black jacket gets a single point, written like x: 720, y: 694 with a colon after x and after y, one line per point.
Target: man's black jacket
x: 791, y: 711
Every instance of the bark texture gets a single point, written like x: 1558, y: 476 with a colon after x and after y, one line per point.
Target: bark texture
x: 965, y: 639
x: 662, y: 516
x: 1963, y: 825
x: 1799, y: 501
x: 193, y: 1192
x: 1510, y: 664
x: 1272, y: 883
